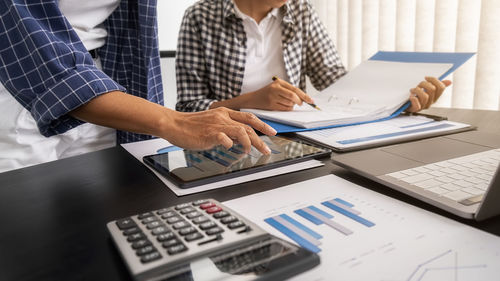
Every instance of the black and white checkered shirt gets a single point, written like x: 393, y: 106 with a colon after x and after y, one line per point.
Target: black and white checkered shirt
x: 211, y: 52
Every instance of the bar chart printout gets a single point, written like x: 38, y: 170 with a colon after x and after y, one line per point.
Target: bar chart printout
x: 391, y: 240
x: 308, y: 238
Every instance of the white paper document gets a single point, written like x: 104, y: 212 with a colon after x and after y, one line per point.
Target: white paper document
x: 363, y: 235
x: 398, y: 129
x: 371, y: 91
x: 148, y: 147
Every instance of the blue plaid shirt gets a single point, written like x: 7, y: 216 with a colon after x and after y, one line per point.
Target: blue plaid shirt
x: 45, y: 66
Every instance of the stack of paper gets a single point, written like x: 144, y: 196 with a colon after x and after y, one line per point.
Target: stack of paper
x: 398, y: 129
x: 373, y: 90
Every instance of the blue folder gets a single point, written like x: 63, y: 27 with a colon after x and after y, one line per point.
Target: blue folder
x: 457, y: 59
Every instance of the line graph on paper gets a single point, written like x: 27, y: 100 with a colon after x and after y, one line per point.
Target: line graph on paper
x: 446, y: 266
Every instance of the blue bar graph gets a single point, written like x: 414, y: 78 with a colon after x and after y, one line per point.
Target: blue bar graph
x: 308, y: 238
x: 301, y: 226
x: 333, y: 204
x: 216, y: 159
x: 318, y: 216
x: 308, y: 244
x: 309, y: 217
x: 384, y: 136
x: 344, y: 202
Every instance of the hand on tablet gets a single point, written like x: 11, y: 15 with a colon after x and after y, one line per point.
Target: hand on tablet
x: 206, y: 129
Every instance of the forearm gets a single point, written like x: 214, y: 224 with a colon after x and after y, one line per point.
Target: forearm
x: 128, y: 113
x: 237, y: 103
x: 188, y: 130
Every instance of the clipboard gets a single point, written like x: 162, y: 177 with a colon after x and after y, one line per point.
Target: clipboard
x: 456, y: 59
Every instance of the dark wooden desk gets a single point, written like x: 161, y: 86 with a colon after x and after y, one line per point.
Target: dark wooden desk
x: 53, y: 215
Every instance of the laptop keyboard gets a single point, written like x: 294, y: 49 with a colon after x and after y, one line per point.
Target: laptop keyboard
x: 463, y: 179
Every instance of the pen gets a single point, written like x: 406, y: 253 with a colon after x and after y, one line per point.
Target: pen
x: 434, y: 117
x: 311, y: 104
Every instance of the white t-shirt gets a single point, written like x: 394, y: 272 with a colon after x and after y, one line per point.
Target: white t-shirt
x: 21, y: 143
x: 264, y: 57
x: 86, y: 18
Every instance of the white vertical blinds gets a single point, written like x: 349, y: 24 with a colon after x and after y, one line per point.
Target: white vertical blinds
x: 359, y: 28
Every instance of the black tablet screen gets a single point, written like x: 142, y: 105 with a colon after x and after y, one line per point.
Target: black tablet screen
x: 188, y: 166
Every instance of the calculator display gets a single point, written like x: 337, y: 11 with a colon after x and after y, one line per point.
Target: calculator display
x: 185, y: 167
x: 249, y: 262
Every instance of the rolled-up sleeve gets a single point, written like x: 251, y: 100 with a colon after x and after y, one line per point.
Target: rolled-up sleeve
x: 45, y: 66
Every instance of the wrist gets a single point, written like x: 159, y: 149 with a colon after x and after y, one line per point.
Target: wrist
x: 236, y: 103
x: 167, y: 124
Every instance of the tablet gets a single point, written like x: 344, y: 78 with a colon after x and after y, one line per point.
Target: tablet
x: 189, y: 168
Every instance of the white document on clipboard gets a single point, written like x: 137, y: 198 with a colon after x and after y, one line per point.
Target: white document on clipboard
x: 398, y: 129
x: 371, y: 91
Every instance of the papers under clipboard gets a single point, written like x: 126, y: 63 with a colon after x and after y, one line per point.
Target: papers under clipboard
x: 396, y: 130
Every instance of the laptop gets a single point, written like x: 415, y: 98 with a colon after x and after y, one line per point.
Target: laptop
x: 458, y: 173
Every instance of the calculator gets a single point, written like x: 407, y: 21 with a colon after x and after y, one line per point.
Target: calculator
x: 204, y: 240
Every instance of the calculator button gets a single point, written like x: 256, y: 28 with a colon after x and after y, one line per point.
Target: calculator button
x: 214, y: 209
x: 193, y: 236
x: 140, y: 243
x: 235, y: 224
x: 221, y: 214
x: 199, y: 202
x: 125, y: 223
x: 145, y: 215
x: 176, y: 249
x: 159, y: 230
x: 149, y: 219
x: 199, y: 220
x: 135, y: 237
x: 145, y: 250
x: 215, y: 238
x: 207, y: 205
x: 214, y: 230
x: 187, y: 230
x: 132, y: 230
x: 170, y: 243
x: 229, y: 219
x: 168, y: 214
x: 180, y: 224
x: 181, y: 206
x: 162, y: 211
x: 193, y: 215
x: 187, y: 210
x: 165, y: 236
x: 154, y: 224
x: 207, y: 225
x: 173, y: 220
x: 150, y: 257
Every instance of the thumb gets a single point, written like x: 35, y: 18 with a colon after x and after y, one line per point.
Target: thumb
x: 446, y: 82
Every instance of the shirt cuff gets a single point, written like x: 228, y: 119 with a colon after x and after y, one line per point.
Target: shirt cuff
x: 50, y: 109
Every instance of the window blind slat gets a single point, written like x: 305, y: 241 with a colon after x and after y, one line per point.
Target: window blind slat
x: 487, y: 88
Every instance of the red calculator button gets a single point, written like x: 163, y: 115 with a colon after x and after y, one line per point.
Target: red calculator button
x: 214, y: 209
x: 207, y: 205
